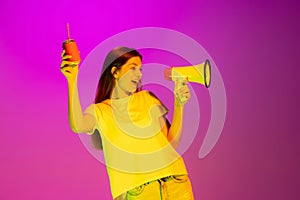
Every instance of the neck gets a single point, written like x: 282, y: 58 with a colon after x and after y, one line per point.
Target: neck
x: 117, y: 93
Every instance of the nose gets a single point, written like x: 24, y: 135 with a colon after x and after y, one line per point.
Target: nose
x: 139, y: 74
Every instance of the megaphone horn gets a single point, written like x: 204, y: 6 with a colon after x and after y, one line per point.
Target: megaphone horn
x: 200, y: 73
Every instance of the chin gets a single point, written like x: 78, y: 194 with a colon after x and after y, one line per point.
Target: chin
x: 133, y: 90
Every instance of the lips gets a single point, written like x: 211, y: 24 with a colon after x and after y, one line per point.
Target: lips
x: 135, y: 81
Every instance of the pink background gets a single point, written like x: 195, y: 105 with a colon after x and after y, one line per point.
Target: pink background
x: 254, y: 44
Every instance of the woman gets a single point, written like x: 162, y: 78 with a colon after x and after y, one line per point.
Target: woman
x: 129, y: 124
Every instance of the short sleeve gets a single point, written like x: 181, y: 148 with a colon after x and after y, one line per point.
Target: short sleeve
x: 163, y: 110
x: 92, y: 110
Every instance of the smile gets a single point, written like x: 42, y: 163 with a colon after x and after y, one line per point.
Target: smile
x: 135, y: 81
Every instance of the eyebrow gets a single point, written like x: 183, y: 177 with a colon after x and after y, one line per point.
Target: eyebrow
x: 133, y: 64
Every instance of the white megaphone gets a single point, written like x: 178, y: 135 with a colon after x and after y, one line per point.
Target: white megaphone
x: 200, y: 73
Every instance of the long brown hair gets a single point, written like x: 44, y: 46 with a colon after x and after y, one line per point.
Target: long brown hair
x: 115, y: 58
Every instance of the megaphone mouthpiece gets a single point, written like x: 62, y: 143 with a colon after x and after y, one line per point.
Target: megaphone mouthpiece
x: 168, y: 74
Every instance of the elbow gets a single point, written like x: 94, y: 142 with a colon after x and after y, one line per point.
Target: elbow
x: 174, y: 142
x: 76, y: 130
x: 78, y: 127
x: 84, y: 125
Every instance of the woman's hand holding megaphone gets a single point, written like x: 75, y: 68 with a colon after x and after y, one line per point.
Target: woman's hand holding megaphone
x: 181, y: 91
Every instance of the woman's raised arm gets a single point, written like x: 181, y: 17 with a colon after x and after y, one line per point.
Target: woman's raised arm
x: 79, y: 122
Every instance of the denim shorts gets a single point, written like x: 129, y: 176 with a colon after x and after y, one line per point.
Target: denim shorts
x: 175, y: 187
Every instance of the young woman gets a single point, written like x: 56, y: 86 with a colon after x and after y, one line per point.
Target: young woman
x: 129, y: 124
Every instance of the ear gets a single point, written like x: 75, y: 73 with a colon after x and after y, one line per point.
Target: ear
x: 114, y: 71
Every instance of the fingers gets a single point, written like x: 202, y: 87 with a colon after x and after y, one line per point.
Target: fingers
x: 182, y: 91
x: 63, y: 53
x: 69, y: 68
x: 65, y: 60
x: 66, y: 57
x: 69, y: 71
x: 183, y: 94
x: 66, y: 63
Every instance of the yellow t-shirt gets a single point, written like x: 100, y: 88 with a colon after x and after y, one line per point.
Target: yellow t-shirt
x: 135, y: 149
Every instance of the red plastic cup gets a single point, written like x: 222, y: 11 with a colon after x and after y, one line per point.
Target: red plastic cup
x: 71, y: 48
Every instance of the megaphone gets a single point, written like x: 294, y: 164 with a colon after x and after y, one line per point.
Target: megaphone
x: 200, y: 73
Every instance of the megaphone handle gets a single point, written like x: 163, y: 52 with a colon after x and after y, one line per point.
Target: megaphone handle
x: 180, y: 83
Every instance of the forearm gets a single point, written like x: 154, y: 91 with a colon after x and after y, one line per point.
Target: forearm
x: 78, y: 121
x: 181, y: 96
x: 175, y: 131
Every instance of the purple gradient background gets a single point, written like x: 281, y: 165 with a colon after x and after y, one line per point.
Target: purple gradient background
x: 254, y: 44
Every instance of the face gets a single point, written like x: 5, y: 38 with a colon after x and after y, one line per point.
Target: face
x: 128, y: 77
